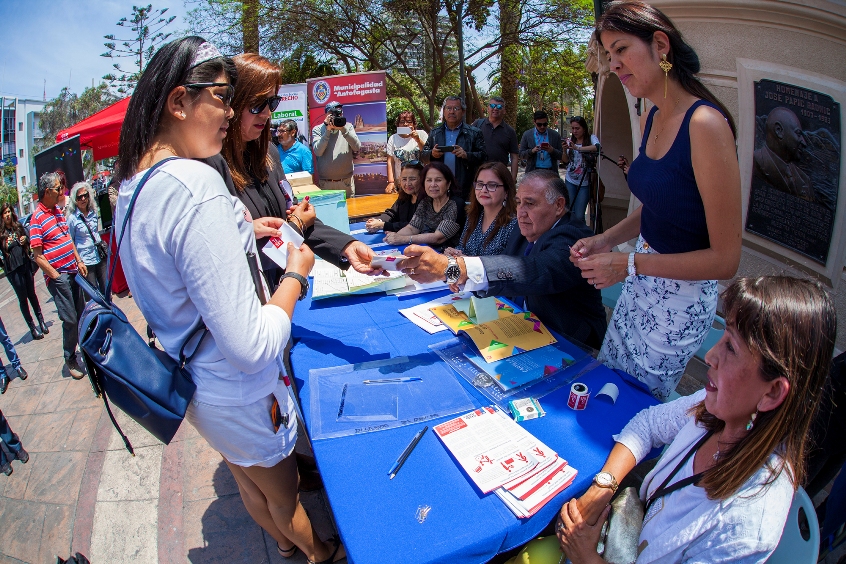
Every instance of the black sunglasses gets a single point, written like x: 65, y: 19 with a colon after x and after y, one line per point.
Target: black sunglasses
x: 541, y: 123
x: 273, y: 102
x: 414, y: 164
x: 82, y: 196
x: 227, y: 98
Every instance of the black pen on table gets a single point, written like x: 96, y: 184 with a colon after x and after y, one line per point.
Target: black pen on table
x: 401, y: 460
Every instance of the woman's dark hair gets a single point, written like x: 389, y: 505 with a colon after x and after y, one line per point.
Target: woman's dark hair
x: 505, y: 214
x: 583, y: 123
x: 402, y: 195
x: 634, y: 17
x: 445, y: 171
x: 17, y: 229
x: 169, y: 68
x: 790, y: 325
x: 407, y: 114
x: 248, y: 160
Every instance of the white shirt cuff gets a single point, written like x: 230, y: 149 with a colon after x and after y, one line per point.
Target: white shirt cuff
x: 477, y: 278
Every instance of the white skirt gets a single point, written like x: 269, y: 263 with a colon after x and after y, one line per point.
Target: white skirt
x: 657, y: 327
x: 244, y: 434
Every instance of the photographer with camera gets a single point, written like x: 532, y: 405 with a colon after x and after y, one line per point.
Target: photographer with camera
x: 580, y: 152
x: 334, y: 143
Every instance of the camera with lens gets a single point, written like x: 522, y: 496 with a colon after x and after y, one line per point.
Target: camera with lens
x: 336, y: 110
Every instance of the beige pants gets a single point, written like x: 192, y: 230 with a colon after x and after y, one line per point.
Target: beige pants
x: 347, y: 184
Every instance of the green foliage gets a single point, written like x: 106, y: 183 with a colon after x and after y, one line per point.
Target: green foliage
x: 67, y: 109
x: 302, y: 65
x: 146, y: 24
x: 8, y: 193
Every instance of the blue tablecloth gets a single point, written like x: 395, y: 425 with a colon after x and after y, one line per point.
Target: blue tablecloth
x: 375, y: 515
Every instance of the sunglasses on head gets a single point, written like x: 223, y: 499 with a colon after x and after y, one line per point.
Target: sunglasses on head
x: 414, y: 163
x: 227, y: 97
x: 273, y: 102
x: 495, y: 106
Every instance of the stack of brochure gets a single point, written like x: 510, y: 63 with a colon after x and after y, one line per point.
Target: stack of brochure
x: 502, y: 457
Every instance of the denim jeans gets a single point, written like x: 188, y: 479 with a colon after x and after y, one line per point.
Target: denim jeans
x: 69, y: 304
x: 11, y: 445
x: 578, y: 198
x: 98, y: 275
x: 10, y: 348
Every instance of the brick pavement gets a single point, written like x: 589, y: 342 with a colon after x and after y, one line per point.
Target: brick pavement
x: 82, y: 491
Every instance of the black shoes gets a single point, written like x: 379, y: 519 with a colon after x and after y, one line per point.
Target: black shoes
x: 41, y: 324
x: 23, y: 456
x: 33, y: 330
x: 22, y: 373
x: 74, y: 368
x: 4, y: 383
x: 7, y: 469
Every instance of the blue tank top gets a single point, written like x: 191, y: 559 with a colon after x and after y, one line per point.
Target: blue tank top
x: 673, y: 216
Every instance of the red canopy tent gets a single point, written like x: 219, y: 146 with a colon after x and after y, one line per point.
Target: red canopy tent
x: 100, y: 132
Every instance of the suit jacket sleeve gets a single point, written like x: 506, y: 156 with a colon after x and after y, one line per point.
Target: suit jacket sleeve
x: 546, y: 271
x: 527, y: 143
x: 328, y: 243
x: 426, y: 152
x: 555, y: 141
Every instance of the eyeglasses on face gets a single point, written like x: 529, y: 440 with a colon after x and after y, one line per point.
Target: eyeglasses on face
x: 452, y: 109
x: 488, y: 187
x: 541, y: 123
x: 226, y: 98
x: 495, y: 106
x: 83, y: 196
x: 273, y: 102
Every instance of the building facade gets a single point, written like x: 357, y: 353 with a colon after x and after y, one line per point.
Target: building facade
x: 19, y: 133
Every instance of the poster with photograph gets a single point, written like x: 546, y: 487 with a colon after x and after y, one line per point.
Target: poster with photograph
x: 363, y: 97
x: 294, y: 106
x: 796, y: 168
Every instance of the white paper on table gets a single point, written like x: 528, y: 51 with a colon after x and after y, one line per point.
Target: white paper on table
x: 328, y: 282
x: 421, y: 315
x: 321, y: 266
x: 483, y: 444
x: 412, y: 288
x: 357, y: 281
x: 548, y: 490
x: 387, y: 260
x: 277, y: 248
x: 358, y: 231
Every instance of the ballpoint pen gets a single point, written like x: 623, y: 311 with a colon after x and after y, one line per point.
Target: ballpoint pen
x: 401, y: 460
x: 392, y: 380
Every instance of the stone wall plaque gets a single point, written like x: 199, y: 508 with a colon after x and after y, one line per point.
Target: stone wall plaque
x: 796, y: 168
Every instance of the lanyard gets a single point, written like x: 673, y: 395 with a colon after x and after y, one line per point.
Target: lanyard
x: 664, y: 490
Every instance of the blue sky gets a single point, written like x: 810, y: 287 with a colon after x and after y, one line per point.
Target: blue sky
x: 61, y: 41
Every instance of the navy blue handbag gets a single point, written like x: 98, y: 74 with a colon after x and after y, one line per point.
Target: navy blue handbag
x: 144, y: 382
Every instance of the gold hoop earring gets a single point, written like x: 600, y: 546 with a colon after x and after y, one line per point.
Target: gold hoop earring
x: 665, y: 66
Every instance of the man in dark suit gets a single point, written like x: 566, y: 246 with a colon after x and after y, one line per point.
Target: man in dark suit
x: 535, y: 270
x: 541, y: 146
x: 469, y: 143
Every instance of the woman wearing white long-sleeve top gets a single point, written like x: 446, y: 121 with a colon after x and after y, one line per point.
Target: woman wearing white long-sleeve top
x: 187, y: 261
x: 723, y: 487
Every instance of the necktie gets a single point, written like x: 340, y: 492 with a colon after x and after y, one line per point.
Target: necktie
x: 529, y: 249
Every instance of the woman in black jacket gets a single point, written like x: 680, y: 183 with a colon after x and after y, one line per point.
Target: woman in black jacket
x: 18, y: 266
x: 399, y: 215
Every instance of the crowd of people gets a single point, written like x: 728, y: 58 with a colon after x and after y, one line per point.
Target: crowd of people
x: 735, y: 450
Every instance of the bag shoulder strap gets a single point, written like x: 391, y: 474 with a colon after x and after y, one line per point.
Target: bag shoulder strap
x: 85, y: 223
x: 129, y: 209
x: 663, y: 489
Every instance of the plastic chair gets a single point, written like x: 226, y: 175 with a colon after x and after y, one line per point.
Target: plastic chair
x: 711, y: 338
x: 793, y: 548
x: 611, y: 294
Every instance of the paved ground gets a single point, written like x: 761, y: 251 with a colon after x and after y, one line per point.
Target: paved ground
x: 82, y: 491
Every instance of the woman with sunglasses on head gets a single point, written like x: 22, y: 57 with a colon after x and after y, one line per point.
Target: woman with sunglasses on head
x: 252, y: 170
x: 578, y: 183
x: 688, y: 226
x: 436, y: 222
x: 14, y: 242
x: 492, y: 215
x: 403, y: 147
x: 411, y: 192
x: 186, y: 263
x: 83, y: 222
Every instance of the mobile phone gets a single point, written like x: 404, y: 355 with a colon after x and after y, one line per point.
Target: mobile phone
x: 402, y: 130
x: 544, y: 146
x: 447, y: 148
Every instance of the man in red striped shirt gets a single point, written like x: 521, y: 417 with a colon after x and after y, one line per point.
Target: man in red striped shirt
x: 56, y: 254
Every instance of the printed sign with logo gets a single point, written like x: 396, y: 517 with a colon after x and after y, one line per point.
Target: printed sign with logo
x: 294, y: 106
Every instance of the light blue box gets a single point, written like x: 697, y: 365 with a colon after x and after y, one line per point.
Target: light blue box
x: 331, y: 207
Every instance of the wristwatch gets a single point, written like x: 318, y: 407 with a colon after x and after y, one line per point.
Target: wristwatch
x: 606, y: 480
x: 453, y: 271
x: 632, y: 271
x: 303, y: 283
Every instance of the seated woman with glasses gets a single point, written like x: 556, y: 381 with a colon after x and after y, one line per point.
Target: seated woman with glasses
x: 411, y: 192
x: 492, y: 215
x: 437, y: 221
x: 403, y: 148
